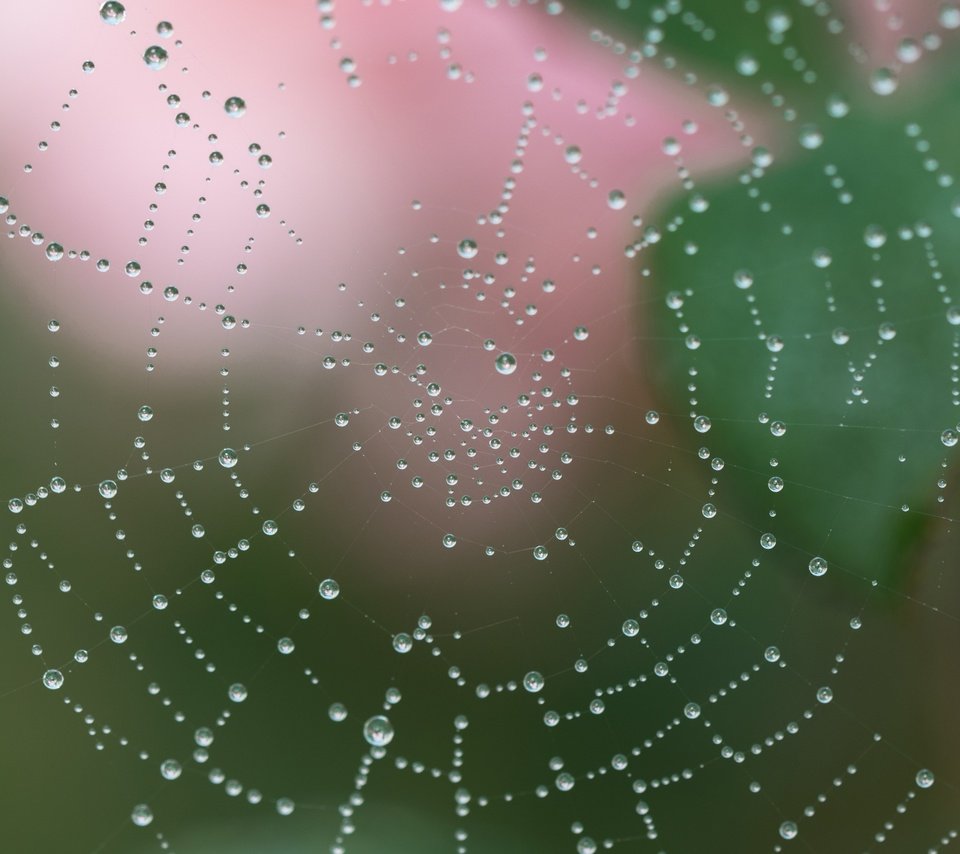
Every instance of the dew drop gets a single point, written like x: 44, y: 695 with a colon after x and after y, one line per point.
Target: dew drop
x: 112, y: 12
x: 533, y: 682
x: 378, y: 731
x: 155, y: 57
x: 467, y: 248
x: 788, y: 830
x: 884, y: 81
x: 718, y: 616
x: 53, y: 679
x: 235, y: 107
x: 506, y: 363
x: 170, y: 769
x: 141, y: 815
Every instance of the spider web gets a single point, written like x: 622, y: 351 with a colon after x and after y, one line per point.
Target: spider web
x: 406, y: 453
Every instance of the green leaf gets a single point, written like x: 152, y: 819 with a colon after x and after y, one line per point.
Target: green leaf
x: 862, y: 454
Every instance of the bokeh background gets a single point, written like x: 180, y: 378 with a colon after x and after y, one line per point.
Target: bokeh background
x: 744, y: 136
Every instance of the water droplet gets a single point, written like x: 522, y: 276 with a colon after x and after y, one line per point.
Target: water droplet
x: 747, y: 65
x: 235, y: 107
x: 717, y: 96
x: 402, y: 642
x: 53, y: 679
x: 112, y: 12
x: 467, y: 248
x: 788, y: 830
x: 155, y: 57
x: 378, y: 731
x: 141, y: 814
x: 811, y: 137
x: 884, y: 81
x: 533, y: 682
x: 837, y: 106
x: 506, y: 363
x: 329, y: 589
x: 170, y: 769
x: 718, y: 616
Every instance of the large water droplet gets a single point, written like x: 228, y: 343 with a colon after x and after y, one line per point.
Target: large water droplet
x: 378, y: 731
x: 155, y: 57
x: 235, y: 107
x: 112, y: 12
